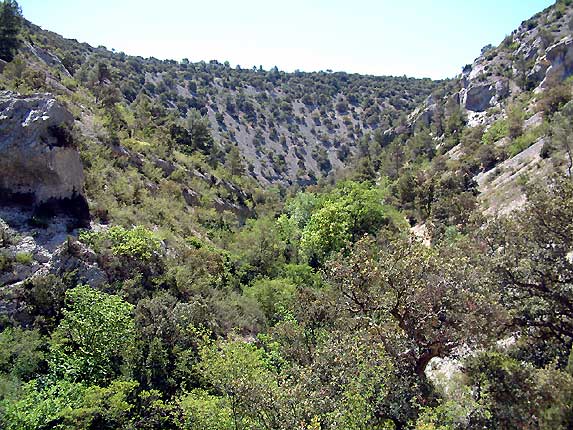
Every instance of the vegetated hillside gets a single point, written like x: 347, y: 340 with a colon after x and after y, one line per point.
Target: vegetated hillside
x: 289, y: 127
x: 197, y: 298
x: 503, y: 122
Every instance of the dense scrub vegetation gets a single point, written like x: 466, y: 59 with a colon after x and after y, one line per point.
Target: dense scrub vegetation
x: 231, y: 305
x: 263, y: 334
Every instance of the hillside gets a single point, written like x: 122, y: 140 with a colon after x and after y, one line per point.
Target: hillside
x: 199, y: 246
x: 289, y: 127
x: 501, y: 124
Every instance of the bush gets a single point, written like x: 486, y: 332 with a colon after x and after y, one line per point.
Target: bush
x: 495, y: 132
x: 24, y: 258
x: 94, y: 340
x: 525, y: 140
x: 5, y: 262
x: 274, y: 296
x: 554, y: 98
x: 202, y: 411
x: 139, y: 242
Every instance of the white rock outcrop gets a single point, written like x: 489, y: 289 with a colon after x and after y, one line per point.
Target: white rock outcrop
x: 39, y: 163
x: 560, y: 56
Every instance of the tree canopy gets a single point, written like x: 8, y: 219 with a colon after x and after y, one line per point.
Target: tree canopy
x: 10, y: 26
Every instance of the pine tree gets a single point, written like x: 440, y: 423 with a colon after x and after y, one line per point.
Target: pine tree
x: 10, y: 25
x: 234, y: 162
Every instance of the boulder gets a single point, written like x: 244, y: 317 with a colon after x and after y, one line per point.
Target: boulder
x: 478, y: 97
x: 501, y: 89
x: 39, y: 163
x: 560, y: 56
x: 166, y: 166
x: 191, y: 197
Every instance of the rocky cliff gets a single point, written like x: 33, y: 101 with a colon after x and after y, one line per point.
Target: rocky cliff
x: 39, y: 164
x: 519, y: 85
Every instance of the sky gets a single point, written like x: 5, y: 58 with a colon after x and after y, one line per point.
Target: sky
x: 420, y: 38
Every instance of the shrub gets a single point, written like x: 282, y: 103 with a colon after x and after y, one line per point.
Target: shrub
x: 5, y: 262
x: 24, y: 258
x: 515, y: 118
x: 554, y: 98
x: 94, y: 340
x: 497, y: 130
x: 139, y: 242
x: 526, y: 140
x: 273, y: 295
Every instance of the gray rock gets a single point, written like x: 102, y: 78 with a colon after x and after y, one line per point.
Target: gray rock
x: 560, y: 55
x: 423, y: 117
x: 501, y: 89
x: 528, y: 51
x: 166, y: 167
x: 478, y: 97
x: 241, y: 211
x: 75, y: 256
x: 192, y: 198
x: 38, y: 161
x: 17, y: 272
x: 199, y: 175
x: 534, y: 121
x: 537, y: 73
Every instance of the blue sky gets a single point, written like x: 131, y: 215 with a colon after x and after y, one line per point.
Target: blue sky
x: 422, y: 38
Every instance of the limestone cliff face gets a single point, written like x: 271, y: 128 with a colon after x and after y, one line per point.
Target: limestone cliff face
x: 39, y: 164
x: 534, y: 57
x: 559, y: 58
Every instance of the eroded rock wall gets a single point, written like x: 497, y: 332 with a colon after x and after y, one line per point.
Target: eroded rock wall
x: 39, y: 164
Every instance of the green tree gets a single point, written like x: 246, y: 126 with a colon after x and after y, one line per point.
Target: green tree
x: 204, y: 411
x: 234, y: 161
x: 238, y: 372
x: 198, y: 128
x: 10, y: 26
x: 327, y: 231
x: 95, y: 338
x: 259, y: 246
x: 419, y: 303
x: 275, y: 296
x: 62, y: 404
x: 429, y: 300
x: 21, y: 352
x: 343, y: 216
x: 530, y: 252
x: 347, y: 383
x: 511, y: 394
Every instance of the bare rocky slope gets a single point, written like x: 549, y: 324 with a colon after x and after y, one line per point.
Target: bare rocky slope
x: 38, y: 160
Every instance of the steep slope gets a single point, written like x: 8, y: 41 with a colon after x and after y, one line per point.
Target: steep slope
x: 289, y: 127
x: 502, y: 123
